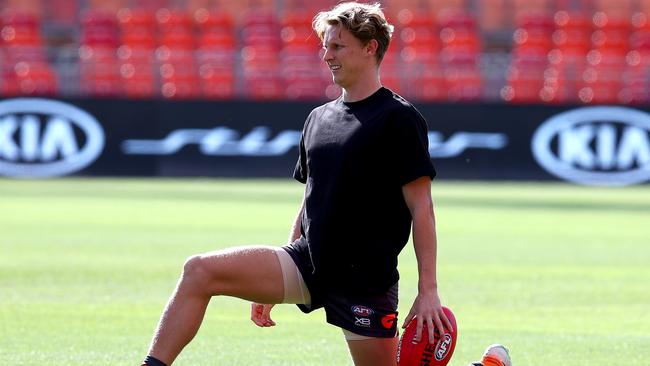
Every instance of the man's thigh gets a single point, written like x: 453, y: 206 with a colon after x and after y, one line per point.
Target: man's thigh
x: 374, y: 351
x: 252, y: 273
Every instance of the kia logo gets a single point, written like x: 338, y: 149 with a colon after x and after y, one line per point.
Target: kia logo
x: 45, y: 138
x: 602, y: 146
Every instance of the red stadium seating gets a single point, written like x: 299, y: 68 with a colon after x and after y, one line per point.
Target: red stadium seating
x: 26, y: 68
x: 136, y: 18
x: 33, y: 79
x: 217, y: 83
x: 101, y: 79
x: 561, y: 51
x: 301, y: 66
x: 170, y: 20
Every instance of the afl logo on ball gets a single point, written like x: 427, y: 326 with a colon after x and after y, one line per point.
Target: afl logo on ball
x: 443, y: 347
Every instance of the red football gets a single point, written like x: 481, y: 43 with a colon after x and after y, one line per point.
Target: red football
x: 423, y: 353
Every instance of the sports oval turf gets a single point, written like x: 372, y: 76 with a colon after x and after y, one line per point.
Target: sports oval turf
x: 558, y: 273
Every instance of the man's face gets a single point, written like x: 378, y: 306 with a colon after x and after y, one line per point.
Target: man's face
x: 345, y: 55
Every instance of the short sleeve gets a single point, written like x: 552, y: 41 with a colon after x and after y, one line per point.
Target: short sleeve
x: 300, y: 171
x: 412, y: 159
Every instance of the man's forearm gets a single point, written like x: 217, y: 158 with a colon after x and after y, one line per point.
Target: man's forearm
x: 425, y: 244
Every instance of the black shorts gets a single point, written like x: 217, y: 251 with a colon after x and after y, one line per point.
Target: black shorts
x: 370, y: 315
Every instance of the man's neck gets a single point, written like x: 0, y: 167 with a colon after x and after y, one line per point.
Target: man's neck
x: 361, y: 91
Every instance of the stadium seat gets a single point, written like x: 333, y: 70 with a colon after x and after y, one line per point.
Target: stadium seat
x: 296, y: 29
x: 20, y: 19
x: 391, y: 79
x: 262, y: 85
x: 20, y: 29
x: 174, y: 59
x: 418, y: 31
x: 24, y: 55
x: 303, y: 87
x: 217, y: 83
x: 99, y: 29
x: 109, y: 6
x: 260, y: 55
x: 522, y: 91
x: 428, y: 85
x: 29, y: 53
x: 537, y: 21
x: 178, y: 38
x: 602, y: 84
x: 565, y: 19
x: 463, y: 84
x: 212, y: 19
x: 532, y: 39
x: 179, y: 80
x: 29, y: 79
x: 136, y: 18
x: 8, y: 83
x: 170, y: 20
x: 525, y: 79
x: 462, y: 75
x: 215, y: 53
x: 138, y: 77
x: 97, y: 53
x: 300, y: 64
x: 444, y: 7
x: 181, y: 88
x: 293, y: 5
x: 100, y: 79
x: 97, y: 19
x: 636, y: 86
x: 260, y: 28
x: 261, y: 71
x: 137, y: 38
x: 100, y: 37
x: 458, y: 34
x: 563, y: 79
x: 572, y: 41
x: 216, y: 39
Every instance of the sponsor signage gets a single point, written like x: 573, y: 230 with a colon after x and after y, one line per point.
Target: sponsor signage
x: 602, y: 145
x: 46, y: 138
x: 607, y: 146
x: 224, y: 141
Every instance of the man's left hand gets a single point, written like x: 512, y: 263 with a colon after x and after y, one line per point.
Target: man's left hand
x: 427, y: 309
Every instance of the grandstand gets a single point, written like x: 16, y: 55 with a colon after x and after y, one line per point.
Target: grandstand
x: 512, y: 51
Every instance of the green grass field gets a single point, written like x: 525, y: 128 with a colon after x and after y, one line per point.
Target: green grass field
x: 558, y: 273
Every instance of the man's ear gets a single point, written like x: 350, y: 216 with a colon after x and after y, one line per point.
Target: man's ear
x: 371, y: 47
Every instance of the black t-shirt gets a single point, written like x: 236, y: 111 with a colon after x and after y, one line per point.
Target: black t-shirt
x: 355, y: 157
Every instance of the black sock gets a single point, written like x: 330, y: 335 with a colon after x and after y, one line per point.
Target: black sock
x: 152, y: 361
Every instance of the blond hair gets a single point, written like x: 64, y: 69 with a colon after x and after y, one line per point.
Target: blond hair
x: 364, y: 21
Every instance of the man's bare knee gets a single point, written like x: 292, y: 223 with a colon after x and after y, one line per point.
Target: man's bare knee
x: 251, y: 273
x: 195, y: 275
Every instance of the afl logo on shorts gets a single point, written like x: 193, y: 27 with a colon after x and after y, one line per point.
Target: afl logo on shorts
x: 361, y: 310
x: 443, y: 347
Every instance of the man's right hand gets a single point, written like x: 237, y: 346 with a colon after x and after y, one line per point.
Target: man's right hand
x: 261, y: 314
